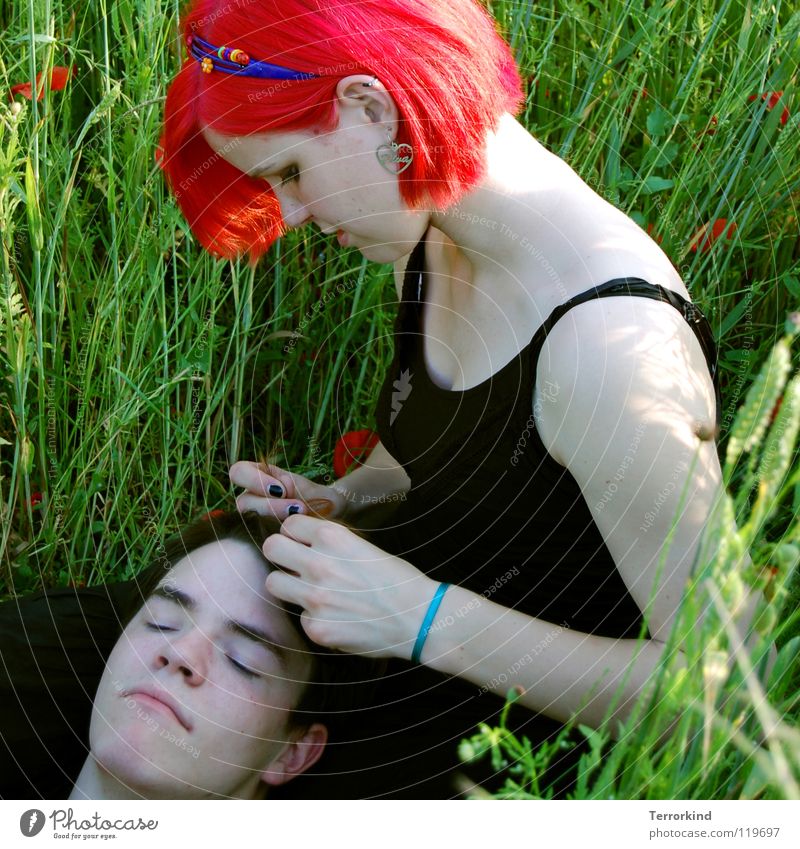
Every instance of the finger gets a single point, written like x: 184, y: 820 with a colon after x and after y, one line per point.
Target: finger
x: 258, y: 479
x: 303, y: 528
x: 277, y: 508
x: 286, y: 587
x: 325, y: 535
x: 314, y: 630
x: 287, y: 554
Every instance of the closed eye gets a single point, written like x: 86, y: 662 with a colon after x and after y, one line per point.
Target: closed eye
x: 243, y: 669
x: 154, y: 626
x: 289, y: 175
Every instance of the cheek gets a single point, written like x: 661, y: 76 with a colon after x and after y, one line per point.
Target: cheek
x: 233, y: 701
x: 124, y: 665
x: 243, y: 729
x: 266, y: 705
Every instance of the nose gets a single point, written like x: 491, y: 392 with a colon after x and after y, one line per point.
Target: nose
x: 189, y: 655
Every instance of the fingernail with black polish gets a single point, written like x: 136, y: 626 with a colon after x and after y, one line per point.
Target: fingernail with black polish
x: 276, y: 490
x: 295, y: 508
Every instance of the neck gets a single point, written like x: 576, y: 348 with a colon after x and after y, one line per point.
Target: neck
x: 515, y: 204
x: 95, y: 782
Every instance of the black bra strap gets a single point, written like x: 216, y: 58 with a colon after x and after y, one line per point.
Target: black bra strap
x: 641, y: 288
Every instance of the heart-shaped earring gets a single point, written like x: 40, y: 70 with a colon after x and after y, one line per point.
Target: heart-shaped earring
x: 394, y: 157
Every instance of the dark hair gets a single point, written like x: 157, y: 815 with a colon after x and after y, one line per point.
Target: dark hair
x: 338, y: 682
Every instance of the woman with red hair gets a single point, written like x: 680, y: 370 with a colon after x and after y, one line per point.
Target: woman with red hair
x: 554, y: 476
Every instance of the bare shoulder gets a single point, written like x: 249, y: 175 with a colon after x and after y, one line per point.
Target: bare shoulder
x: 617, y: 354
x: 633, y: 396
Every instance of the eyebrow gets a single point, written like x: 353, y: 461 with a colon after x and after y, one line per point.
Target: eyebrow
x: 251, y: 632
x: 263, y: 169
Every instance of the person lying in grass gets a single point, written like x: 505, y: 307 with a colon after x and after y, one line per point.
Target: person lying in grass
x: 213, y: 689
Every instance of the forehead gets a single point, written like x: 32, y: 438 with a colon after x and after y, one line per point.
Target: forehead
x: 252, y: 152
x: 236, y: 561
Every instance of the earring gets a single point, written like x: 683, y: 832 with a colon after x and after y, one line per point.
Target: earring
x: 391, y: 154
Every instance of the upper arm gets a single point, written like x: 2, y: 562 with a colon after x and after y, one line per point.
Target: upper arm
x: 634, y: 389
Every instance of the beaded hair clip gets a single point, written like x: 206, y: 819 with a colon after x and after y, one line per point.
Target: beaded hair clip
x: 231, y: 60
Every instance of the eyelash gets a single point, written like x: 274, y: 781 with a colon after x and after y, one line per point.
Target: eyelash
x: 243, y: 669
x: 292, y: 170
x: 154, y: 626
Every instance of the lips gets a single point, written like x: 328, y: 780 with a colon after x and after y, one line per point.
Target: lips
x: 158, y: 698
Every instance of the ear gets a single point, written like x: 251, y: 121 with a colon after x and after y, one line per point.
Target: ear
x: 376, y: 104
x: 297, y: 756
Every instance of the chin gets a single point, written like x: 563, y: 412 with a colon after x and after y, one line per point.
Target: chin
x: 385, y: 253
x: 140, y: 760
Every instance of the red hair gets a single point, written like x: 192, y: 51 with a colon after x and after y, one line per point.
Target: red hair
x: 448, y: 70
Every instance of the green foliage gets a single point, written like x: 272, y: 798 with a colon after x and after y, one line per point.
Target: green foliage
x: 134, y: 369
x: 761, y: 398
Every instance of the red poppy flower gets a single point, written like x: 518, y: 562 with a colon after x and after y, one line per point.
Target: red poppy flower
x: 774, y: 97
x: 58, y: 80
x: 710, y: 130
x: 651, y: 232
x: 212, y: 514
x: 36, y: 499
x: 352, y: 449
x: 705, y: 239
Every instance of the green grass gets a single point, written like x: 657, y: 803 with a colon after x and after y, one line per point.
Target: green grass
x: 134, y: 369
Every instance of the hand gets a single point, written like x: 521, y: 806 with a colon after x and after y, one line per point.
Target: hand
x: 257, y: 478
x: 355, y: 597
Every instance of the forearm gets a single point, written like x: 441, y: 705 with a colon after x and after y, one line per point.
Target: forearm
x: 562, y: 673
x: 380, y: 477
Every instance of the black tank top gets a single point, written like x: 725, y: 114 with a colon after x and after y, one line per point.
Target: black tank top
x: 489, y: 508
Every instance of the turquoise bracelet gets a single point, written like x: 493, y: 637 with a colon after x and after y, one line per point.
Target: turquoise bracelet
x: 428, y: 621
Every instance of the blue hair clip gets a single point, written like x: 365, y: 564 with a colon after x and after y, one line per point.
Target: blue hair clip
x: 231, y: 60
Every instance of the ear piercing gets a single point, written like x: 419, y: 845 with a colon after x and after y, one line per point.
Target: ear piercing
x: 394, y: 157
